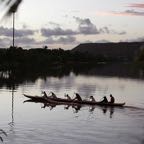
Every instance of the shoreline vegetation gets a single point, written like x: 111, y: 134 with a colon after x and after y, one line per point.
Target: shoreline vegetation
x: 18, y: 65
x: 17, y: 58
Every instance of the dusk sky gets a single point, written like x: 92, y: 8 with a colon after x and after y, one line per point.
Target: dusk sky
x: 65, y: 24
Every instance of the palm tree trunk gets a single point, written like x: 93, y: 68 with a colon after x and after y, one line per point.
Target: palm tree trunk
x: 13, y: 29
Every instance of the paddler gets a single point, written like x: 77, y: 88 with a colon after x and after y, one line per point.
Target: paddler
x: 53, y: 95
x: 77, y: 97
x: 68, y: 97
x: 92, y: 99
x: 112, y: 99
x: 104, y: 100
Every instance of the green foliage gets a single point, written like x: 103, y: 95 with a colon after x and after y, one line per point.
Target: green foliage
x: 11, y: 6
x: 18, y: 58
x: 141, y: 56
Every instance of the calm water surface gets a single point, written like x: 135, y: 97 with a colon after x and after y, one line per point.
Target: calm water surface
x: 27, y: 122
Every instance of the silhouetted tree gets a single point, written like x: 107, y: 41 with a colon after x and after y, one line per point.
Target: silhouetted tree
x: 45, y: 47
x: 11, y: 5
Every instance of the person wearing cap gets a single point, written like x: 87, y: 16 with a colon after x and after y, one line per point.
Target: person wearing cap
x: 112, y: 99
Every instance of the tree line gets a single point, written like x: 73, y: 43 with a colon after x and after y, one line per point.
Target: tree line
x: 17, y: 57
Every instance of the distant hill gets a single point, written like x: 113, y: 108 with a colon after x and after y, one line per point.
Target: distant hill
x: 122, y: 50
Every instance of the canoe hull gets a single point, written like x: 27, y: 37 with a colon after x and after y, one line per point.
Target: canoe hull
x: 67, y: 101
x: 35, y: 98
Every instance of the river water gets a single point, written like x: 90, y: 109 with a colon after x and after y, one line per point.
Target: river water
x: 27, y: 122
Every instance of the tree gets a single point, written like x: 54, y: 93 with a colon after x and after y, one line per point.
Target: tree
x: 11, y: 5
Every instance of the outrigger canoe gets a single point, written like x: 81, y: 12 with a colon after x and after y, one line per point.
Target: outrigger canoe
x: 67, y: 101
x: 36, y: 98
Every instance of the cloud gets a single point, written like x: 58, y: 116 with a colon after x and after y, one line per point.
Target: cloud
x: 66, y: 40
x: 111, y: 31
x: 19, y: 41
x: 25, y: 37
x: 24, y: 32
x: 122, y: 33
x: 5, y: 42
x: 85, y: 26
x: 22, y: 37
x: 136, y: 5
x: 57, y: 32
x: 97, y: 41
x: 103, y: 41
x: 105, y: 30
x: 61, y: 40
x: 25, y: 40
x: 138, y: 39
x: 18, y: 32
x: 6, y: 31
x: 129, y: 13
x: 54, y: 24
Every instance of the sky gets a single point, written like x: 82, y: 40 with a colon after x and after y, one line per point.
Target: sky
x: 65, y: 24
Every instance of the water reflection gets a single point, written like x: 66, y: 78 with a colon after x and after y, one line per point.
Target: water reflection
x: 111, y: 111
x: 45, y: 121
x: 12, y: 107
x: 77, y: 107
x: 2, y: 132
x: 111, y: 70
x: 8, y: 79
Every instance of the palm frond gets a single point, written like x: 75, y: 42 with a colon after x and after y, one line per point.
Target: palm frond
x: 11, y: 6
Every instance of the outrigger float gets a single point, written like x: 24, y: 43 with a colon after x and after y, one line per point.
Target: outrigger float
x: 65, y: 101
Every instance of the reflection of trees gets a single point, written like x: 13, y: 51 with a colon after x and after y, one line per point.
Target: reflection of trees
x: 7, y: 78
x: 113, y: 69
x: 24, y: 75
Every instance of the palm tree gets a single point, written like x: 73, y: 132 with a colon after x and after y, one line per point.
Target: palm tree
x: 11, y: 5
